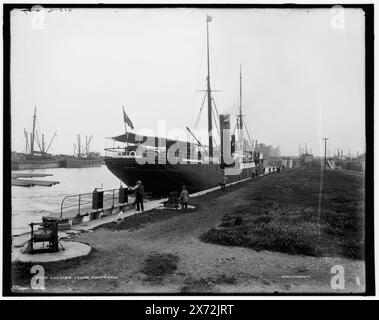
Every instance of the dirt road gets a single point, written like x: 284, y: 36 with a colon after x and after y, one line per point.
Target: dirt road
x: 168, y: 257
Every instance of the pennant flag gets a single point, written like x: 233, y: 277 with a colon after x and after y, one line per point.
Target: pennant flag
x: 127, y: 120
x: 209, y: 18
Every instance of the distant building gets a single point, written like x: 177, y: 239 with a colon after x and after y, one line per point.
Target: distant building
x: 268, y: 151
x: 362, y: 157
x: 306, y: 158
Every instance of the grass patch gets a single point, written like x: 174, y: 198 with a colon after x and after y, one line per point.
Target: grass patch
x: 140, y: 220
x: 353, y: 249
x: 283, y: 215
x: 157, y: 266
x: 198, y: 286
x: 224, y: 279
x: 206, y: 285
x: 265, y: 234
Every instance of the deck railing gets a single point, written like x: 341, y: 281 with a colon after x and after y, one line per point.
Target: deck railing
x: 96, y: 201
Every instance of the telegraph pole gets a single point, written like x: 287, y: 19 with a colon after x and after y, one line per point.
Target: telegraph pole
x: 325, y: 140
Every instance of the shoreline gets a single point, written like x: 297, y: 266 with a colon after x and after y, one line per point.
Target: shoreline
x: 149, y: 202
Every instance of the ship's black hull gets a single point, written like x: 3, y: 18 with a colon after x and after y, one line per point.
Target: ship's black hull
x: 160, y: 179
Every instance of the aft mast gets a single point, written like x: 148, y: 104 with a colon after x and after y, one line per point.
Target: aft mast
x: 240, y: 121
x: 209, y: 19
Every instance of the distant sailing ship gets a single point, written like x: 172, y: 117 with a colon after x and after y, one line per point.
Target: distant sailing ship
x: 83, y: 158
x: 198, y: 167
x: 33, y: 158
x: 41, y: 159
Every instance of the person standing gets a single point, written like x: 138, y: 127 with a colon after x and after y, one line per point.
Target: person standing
x: 223, y: 183
x: 184, y: 198
x: 139, y: 195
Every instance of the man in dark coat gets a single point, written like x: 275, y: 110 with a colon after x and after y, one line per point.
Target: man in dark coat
x: 139, y: 195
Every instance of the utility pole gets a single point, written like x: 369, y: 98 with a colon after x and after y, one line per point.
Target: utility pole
x: 325, y: 140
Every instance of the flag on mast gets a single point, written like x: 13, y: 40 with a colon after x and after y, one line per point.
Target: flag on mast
x: 127, y: 120
x: 209, y: 18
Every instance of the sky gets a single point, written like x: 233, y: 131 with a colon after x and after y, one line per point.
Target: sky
x: 303, y: 74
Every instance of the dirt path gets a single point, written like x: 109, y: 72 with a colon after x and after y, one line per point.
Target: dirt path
x: 201, y: 267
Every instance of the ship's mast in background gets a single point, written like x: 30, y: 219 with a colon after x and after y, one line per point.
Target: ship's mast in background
x: 33, y: 133
x: 240, y: 121
x: 26, y: 142
x: 209, y: 19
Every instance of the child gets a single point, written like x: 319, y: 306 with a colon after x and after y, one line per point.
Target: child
x: 223, y: 183
x: 184, y: 197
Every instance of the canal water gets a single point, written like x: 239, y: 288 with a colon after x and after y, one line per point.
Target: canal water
x: 30, y: 204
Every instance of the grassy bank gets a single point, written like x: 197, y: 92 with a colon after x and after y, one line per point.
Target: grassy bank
x: 299, y: 212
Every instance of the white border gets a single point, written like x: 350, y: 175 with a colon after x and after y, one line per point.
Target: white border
x: 230, y: 298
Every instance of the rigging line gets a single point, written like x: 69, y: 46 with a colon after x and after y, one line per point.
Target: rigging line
x: 235, y: 127
x: 218, y: 131
x: 214, y: 140
x: 216, y: 120
x: 198, y: 116
x: 218, y: 117
x: 200, y: 68
x: 37, y: 128
x: 217, y: 127
x: 247, y: 131
x: 214, y: 104
x: 37, y: 139
x: 51, y: 141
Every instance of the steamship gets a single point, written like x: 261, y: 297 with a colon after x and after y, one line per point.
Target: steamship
x: 165, y: 165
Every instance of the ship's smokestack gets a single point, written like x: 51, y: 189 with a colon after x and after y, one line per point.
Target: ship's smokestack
x: 226, y: 156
